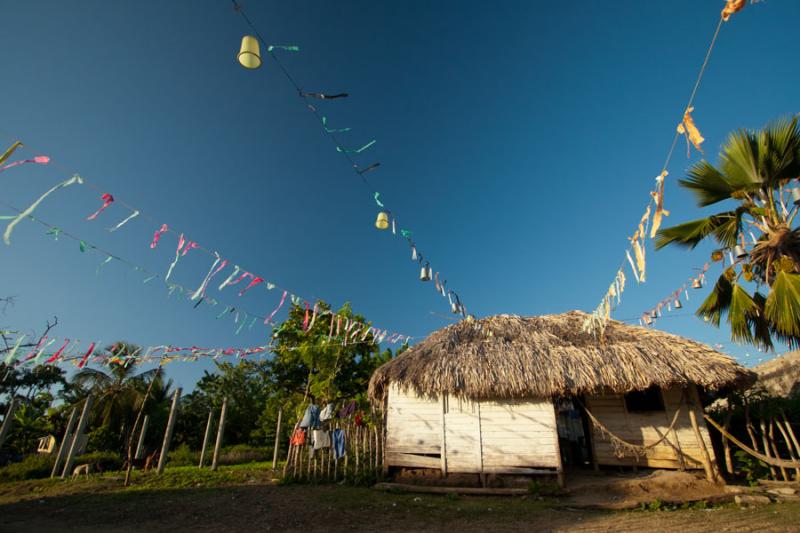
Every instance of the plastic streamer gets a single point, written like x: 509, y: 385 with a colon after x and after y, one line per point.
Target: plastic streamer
x: 128, y: 219
x: 157, y: 235
x: 275, y: 311
x: 323, y: 96
x: 253, y: 283
x: 370, y: 168
x: 13, y: 352
x: 86, y: 356
x: 356, y: 150
x: 288, y: 48
x: 731, y: 7
x: 9, y: 152
x: 229, y: 279
x: 107, y: 201
x: 377, y: 199
x: 56, y: 355
x: 201, y: 290
x: 39, y: 159
x: 10, y: 228
x: 181, y: 242
x: 333, y: 130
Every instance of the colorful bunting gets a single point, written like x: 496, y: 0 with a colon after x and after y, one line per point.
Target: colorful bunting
x: 107, y: 201
x: 26, y: 213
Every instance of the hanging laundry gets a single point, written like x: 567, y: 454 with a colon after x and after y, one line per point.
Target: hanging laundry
x: 311, y: 417
x: 298, y: 438
x: 338, y: 444
x: 322, y: 439
x: 658, y: 196
x: 327, y: 413
x: 731, y: 7
x: 689, y: 129
x: 348, y: 410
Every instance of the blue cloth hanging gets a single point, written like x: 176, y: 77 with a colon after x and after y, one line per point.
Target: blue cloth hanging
x: 337, y: 442
x: 311, y: 417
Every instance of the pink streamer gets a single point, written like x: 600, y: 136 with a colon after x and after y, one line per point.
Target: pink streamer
x: 107, y: 201
x: 252, y: 284
x: 157, y: 235
x: 33, y: 352
x: 58, y: 353
x: 313, y: 316
x: 190, y: 245
x: 275, y: 311
x: 86, y: 357
x: 305, y: 320
x: 39, y: 159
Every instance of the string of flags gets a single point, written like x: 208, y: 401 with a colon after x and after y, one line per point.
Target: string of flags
x: 635, y: 254
x: 250, y: 57
x: 198, y: 295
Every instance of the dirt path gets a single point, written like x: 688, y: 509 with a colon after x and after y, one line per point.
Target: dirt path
x: 333, y: 508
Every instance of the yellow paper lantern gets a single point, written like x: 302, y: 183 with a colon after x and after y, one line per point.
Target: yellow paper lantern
x: 250, y: 52
x: 382, y: 222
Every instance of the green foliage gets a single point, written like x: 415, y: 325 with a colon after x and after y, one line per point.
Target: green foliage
x: 754, y: 173
x: 33, y: 466
x: 102, y: 460
x: 752, y: 468
x: 544, y: 489
x: 184, y: 456
x: 102, y: 438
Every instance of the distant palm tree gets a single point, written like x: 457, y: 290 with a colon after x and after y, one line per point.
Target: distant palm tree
x: 755, y: 171
x: 119, y: 391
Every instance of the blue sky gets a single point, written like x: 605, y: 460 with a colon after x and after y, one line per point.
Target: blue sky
x: 518, y: 142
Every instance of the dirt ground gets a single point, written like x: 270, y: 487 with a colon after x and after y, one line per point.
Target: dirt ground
x: 260, y: 506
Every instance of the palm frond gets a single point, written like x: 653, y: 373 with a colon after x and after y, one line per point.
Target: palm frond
x: 742, y: 307
x: 717, y: 302
x: 707, y: 184
x: 783, y: 307
x: 90, y: 377
x: 724, y: 226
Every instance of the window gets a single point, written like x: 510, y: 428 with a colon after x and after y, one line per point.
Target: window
x: 646, y: 400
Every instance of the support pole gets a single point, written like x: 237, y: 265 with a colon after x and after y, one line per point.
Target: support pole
x: 64, y: 446
x: 77, y: 436
x: 277, y: 440
x: 140, y: 443
x: 220, y: 431
x: 162, y: 459
x: 8, y: 420
x: 206, y: 437
x: 706, y: 459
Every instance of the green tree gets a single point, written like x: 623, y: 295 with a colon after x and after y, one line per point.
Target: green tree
x: 760, y: 292
x: 120, y: 391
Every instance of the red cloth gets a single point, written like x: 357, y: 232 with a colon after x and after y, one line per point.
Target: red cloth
x: 298, y: 438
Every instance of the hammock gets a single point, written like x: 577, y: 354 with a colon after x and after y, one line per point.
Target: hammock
x: 774, y: 461
x: 622, y: 446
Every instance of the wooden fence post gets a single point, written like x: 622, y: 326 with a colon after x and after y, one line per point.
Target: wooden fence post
x: 206, y: 437
x: 8, y: 421
x: 64, y: 445
x: 220, y: 431
x: 140, y: 442
x: 277, y: 440
x: 162, y: 458
x: 705, y: 457
x: 73, y: 448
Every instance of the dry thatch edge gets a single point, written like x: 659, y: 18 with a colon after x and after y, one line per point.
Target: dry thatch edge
x: 505, y: 356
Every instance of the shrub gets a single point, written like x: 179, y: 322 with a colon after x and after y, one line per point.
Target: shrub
x: 184, y: 456
x: 242, y: 453
x: 33, y: 466
x: 105, y: 461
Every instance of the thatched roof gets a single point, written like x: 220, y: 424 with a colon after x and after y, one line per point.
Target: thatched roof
x: 517, y: 357
x: 781, y: 376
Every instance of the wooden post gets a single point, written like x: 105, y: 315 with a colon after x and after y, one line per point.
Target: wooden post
x: 791, y: 432
x: 162, y: 458
x: 8, y: 421
x: 443, y: 446
x: 559, y: 466
x: 277, y: 440
x: 220, y: 432
x: 206, y: 437
x: 700, y: 442
x: 140, y: 442
x: 765, y: 442
x: 677, y: 446
x: 73, y: 448
x: 726, y: 447
x: 784, y: 474
x: 62, y: 448
x: 789, y: 446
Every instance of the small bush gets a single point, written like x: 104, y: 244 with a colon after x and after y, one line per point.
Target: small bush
x: 184, y: 456
x: 102, y: 461
x: 242, y: 453
x: 33, y: 466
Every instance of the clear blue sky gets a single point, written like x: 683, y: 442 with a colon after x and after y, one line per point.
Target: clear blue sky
x: 518, y: 141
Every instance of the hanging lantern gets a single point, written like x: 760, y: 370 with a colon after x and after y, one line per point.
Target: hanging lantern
x: 454, y: 308
x: 697, y: 284
x: 382, y: 222
x: 425, y: 274
x: 250, y: 52
x: 716, y: 255
x: 653, y: 314
x: 796, y: 196
x: 739, y: 251
x: 677, y: 304
x: 647, y: 320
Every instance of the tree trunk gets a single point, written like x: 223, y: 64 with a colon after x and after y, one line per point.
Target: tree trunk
x: 774, y: 445
x: 726, y: 445
x: 773, y: 471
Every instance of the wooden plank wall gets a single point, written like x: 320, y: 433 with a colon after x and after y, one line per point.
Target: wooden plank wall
x: 518, y: 433
x: 488, y: 436
x: 413, y: 430
x: 644, y: 428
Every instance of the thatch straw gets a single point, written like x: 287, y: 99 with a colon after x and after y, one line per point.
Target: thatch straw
x: 534, y: 357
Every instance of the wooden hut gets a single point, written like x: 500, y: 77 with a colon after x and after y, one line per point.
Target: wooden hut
x: 525, y: 395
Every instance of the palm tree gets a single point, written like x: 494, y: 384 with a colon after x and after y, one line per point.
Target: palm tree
x: 754, y: 173
x: 120, y: 391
